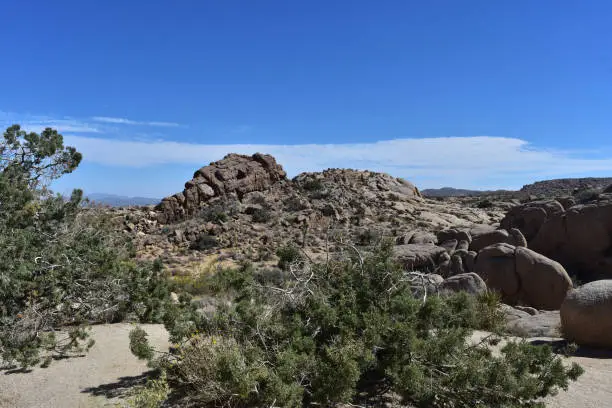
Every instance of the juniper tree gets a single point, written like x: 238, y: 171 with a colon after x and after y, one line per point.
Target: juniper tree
x: 60, y: 265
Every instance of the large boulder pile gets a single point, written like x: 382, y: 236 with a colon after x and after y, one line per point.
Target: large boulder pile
x: 580, y: 237
x: 235, y: 174
x: 523, y: 276
x: 586, y: 314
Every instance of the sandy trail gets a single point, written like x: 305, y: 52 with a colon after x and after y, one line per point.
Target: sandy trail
x: 103, y: 376
x: 95, y: 380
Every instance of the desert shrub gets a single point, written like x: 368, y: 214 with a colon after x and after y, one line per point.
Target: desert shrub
x: 350, y: 325
x: 219, y: 211
x: 288, y: 254
x: 486, y: 203
x: 313, y: 184
x: 63, y: 267
x: 588, y: 195
x: 295, y: 203
x: 261, y: 215
x: 368, y: 236
x: 270, y: 276
x: 214, y: 213
x: 150, y: 395
x: 203, y: 242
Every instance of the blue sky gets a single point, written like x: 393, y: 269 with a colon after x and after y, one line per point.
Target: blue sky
x: 472, y: 94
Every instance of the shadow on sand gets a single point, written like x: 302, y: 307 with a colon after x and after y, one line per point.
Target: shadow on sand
x: 560, y: 346
x: 119, y: 388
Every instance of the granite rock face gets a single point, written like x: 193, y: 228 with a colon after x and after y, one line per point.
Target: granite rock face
x: 235, y: 174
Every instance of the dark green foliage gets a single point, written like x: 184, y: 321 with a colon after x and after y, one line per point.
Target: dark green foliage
x: 35, y: 159
x: 139, y: 346
x: 214, y: 213
x: 62, y: 266
x: 261, y: 215
x: 314, y: 184
x: 368, y: 236
x: 204, y: 241
x: 486, y: 203
x: 219, y: 211
x: 288, y: 255
x: 336, y: 329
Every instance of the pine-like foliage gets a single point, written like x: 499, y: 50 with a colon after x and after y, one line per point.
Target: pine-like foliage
x: 61, y: 267
x: 351, y: 329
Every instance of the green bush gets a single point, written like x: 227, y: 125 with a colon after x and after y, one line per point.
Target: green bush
x: 261, y: 215
x: 313, y: 184
x: 63, y: 267
x: 351, y: 325
x: 486, y: 203
x: 203, y: 242
x: 288, y: 254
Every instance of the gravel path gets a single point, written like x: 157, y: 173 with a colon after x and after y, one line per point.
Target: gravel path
x: 96, y: 380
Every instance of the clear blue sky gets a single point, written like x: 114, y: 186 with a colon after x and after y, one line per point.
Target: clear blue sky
x: 150, y: 91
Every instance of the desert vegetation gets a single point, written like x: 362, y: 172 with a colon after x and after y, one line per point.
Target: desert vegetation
x: 63, y: 267
x: 354, y: 329
x: 356, y: 324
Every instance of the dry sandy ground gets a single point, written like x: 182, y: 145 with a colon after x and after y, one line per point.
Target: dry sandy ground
x: 103, y: 376
x: 593, y: 388
x: 95, y: 380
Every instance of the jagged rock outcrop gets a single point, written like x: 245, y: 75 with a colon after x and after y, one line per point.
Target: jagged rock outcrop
x: 235, y: 174
x: 586, y: 314
x: 523, y: 276
x: 580, y: 237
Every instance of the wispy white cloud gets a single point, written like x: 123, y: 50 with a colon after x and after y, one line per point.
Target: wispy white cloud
x: 124, y: 121
x: 470, y: 162
x: 37, y: 123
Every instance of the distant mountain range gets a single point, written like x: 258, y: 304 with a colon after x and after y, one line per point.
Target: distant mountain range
x: 114, y: 200
x: 458, y: 192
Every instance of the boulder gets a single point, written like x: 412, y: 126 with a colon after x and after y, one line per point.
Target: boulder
x: 522, y: 276
x: 518, y: 239
x: 580, y: 239
x: 544, y: 282
x: 586, y: 314
x: 567, y: 202
x: 530, y: 217
x: 456, y: 265
x: 466, y: 282
x: 450, y: 245
x: 422, y: 237
x: 463, y: 245
x: 496, y: 265
x: 488, y: 238
x: 545, y: 324
x: 469, y: 260
x: 450, y: 234
x: 418, y: 257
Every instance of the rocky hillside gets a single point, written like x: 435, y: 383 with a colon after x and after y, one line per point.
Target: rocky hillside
x: 564, y: 187
x: 459, y: 192
x: 246, y: 207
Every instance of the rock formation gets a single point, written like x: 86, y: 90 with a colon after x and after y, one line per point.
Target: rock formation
x: 235, y: 174
x: 580, y: 237
x: 523, y: 276
x: 586, y: 314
